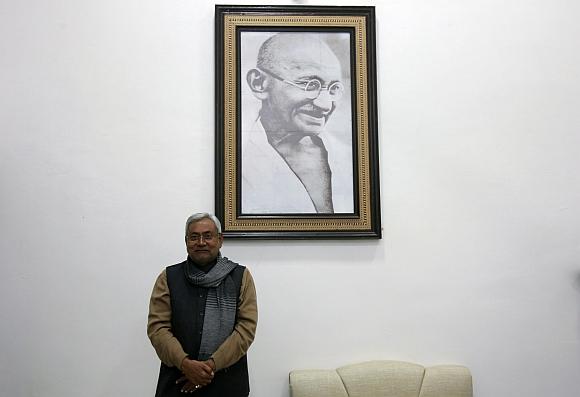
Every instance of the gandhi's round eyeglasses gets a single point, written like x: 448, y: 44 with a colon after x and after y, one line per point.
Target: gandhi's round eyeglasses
x: 312, y: 87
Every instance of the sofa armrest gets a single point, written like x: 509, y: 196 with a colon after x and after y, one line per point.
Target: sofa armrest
x: 447, y: 381
x: 316, y: 382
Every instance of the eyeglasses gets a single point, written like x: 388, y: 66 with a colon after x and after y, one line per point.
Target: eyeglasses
x: 312, y: 87
x: 207, y: 237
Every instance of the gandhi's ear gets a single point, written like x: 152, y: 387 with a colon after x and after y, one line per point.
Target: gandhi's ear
x: 258, y: 83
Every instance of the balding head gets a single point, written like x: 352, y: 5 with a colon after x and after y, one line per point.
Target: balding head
x: 295, y: 52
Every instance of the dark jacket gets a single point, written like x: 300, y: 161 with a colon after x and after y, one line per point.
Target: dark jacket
x: 187, y: 314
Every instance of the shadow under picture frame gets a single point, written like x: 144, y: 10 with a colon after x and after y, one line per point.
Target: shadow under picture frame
x: 296, y: 122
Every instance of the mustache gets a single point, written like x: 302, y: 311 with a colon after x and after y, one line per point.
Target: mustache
x: 316, y: 111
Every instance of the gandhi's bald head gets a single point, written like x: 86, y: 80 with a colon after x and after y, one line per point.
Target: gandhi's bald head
x: 290, y: 51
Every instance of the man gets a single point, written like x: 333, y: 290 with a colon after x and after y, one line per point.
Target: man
x: 287, y: 163
x: 202, y: 318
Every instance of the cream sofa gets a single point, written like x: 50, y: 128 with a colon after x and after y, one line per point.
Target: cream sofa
x: 382, y: 379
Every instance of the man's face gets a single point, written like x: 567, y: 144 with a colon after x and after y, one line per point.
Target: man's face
x: 289, y: 105
x: 203, y: 241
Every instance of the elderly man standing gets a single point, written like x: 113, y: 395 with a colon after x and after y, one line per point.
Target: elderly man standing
x: 202, y: 318
x: 287, y: 162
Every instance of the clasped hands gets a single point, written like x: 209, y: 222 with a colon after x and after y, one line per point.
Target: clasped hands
x: 196, y: 374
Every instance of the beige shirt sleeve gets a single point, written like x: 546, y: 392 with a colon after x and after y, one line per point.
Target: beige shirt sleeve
x: 231, y: 350
x: 159, y: 331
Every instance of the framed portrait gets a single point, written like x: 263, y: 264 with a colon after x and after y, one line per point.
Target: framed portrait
x: 296, y: 122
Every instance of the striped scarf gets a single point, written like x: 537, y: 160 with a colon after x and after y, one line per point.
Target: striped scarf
x: 220, y: 306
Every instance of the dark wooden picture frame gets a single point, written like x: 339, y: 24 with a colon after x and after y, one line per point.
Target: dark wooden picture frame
x: 296, y: 122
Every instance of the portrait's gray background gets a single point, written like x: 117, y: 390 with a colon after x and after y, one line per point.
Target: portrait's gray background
x: 106, y: 145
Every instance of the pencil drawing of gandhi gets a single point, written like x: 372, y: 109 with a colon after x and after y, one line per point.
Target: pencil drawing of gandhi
x: 297, y: 152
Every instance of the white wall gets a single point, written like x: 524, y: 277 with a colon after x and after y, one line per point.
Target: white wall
x: 106, y: 121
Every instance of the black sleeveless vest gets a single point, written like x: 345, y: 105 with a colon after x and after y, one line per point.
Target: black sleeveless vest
x: 187, y: 313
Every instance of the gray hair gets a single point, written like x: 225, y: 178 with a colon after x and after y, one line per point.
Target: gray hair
x: 203, y: 215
